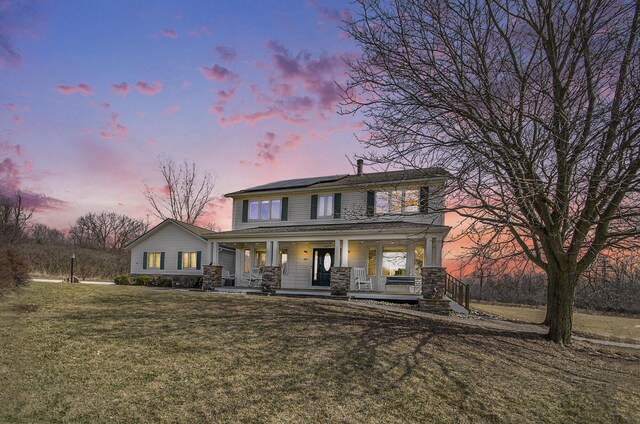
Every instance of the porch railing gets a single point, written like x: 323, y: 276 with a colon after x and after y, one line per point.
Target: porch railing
x: 456, y: 290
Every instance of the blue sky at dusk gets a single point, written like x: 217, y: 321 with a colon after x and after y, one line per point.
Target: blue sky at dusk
x: 92, y: 93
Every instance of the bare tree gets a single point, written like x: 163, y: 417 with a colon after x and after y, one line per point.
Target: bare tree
x: 106, y: 230
x: 41, y: 233
x: 14, y: 218
x: 185, y: 193
x: 532, y: 106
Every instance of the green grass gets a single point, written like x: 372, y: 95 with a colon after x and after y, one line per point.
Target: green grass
x: 78, y: 353
x: 598, y: 326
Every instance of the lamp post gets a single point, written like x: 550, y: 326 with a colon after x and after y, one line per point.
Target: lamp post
x: 73, y: 256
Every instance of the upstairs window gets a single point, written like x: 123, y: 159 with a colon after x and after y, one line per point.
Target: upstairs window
x: 265, y: 210
x: 397, y: 202
x: 325, y: 206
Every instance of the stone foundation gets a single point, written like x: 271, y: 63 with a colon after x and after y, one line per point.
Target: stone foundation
x: 271, y: 278
x: 433, y: 282
x: 435, y: 306
x: 340, y: 280
x: 211, y: 277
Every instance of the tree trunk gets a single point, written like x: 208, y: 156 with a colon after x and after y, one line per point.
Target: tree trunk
x: 560, y: 299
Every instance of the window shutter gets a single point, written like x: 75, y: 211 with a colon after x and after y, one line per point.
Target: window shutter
x: 245, y: 210
x: 371, y: 202
x: 285, y: 209
x: 314, y: 206
x: 424, y: 199
x: 198, y: 259
x: 144, y: 260
x: 179, y: 260
x: 161, y: 260
x: 337, y: 204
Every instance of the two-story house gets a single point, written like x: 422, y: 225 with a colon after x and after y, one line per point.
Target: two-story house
x: 385, y: 225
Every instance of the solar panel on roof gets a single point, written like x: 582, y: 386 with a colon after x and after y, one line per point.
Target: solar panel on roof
x: 298, y: 182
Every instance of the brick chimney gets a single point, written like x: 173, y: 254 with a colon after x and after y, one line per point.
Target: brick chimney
x: 360, y: 163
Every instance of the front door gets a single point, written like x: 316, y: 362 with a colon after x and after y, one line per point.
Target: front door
x: 322, y: 263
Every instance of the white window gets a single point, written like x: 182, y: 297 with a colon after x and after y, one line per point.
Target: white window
x: 397, y: 202
x: 394, y: 261
x: 189, y: 260
x: 325, y: 206
x: 154, y: 260
x: 265, y: 210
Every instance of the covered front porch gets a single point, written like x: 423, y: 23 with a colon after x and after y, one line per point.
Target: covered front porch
x: 387, y: 259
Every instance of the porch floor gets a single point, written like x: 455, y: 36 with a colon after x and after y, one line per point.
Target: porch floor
x: 325, y: 293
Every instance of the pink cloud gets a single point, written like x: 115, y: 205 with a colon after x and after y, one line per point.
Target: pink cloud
x: 17, y: 120
x: 316, y: 74
x: 331, y: 14
x: 172, y: 110
x: 186, y: 84
x: 218, y: 73
x: 103, y: 106
x: 150, y: 89
x: 121, y: 89
x: 202, y: 31
x: 153, y: 142
x: 83, y: 89
x: 5, y: 146
x: 114, y: 130
x: 252, y: 118
x: 227, y: 54
x: 268, y: 150
x: 12, y: 107
x: 227, y: 95
x: 169, y: 33
x: 10, y: 184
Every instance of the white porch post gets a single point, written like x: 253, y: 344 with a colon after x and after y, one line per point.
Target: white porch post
x: 275, y: 253
x: 336, y: 254
x: 209, y: 257
x: 428, y: 252
x: 215, y: 253
x: 438, y: 252
x: 411, y: 259
x: 269, y: 259
x: 345, y: 253
x: 239, y: 264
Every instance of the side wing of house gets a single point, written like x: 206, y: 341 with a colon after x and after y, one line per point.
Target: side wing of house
x: 170, y: 250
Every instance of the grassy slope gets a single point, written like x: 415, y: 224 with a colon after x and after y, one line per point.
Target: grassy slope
x: 78, y: 353
x: 602, y: 326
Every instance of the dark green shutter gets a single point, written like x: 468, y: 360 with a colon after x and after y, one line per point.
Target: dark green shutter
x: 179, y: 260
x: 424, y: 199
x: 144, y: 260
x: 245, y: 210
x: 314, y: 206
x: 337, y: 204
x: 285, y: 209
x: 162, y: 260
x: 198, y: 259
x: 371, y: 203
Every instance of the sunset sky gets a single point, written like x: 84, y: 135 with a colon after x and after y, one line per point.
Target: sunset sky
x: 92, y: 93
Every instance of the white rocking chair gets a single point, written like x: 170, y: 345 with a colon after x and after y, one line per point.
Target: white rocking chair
x: 228, y: 278
x: 362, y: 281
x: 254, y: 279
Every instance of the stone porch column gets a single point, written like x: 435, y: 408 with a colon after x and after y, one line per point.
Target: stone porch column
x: 211, y: 277
x: 433, y: 282
x: 271, y: 278
x: 340, y: 280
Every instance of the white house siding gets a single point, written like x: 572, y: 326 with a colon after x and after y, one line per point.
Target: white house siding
x: 171, y: 239
x: 353, y: 206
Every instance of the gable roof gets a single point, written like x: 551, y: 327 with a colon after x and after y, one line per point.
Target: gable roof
x: 193, y: 229
x: 346, y: 180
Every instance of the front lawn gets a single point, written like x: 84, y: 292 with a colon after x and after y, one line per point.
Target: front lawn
x: 80, y: 353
